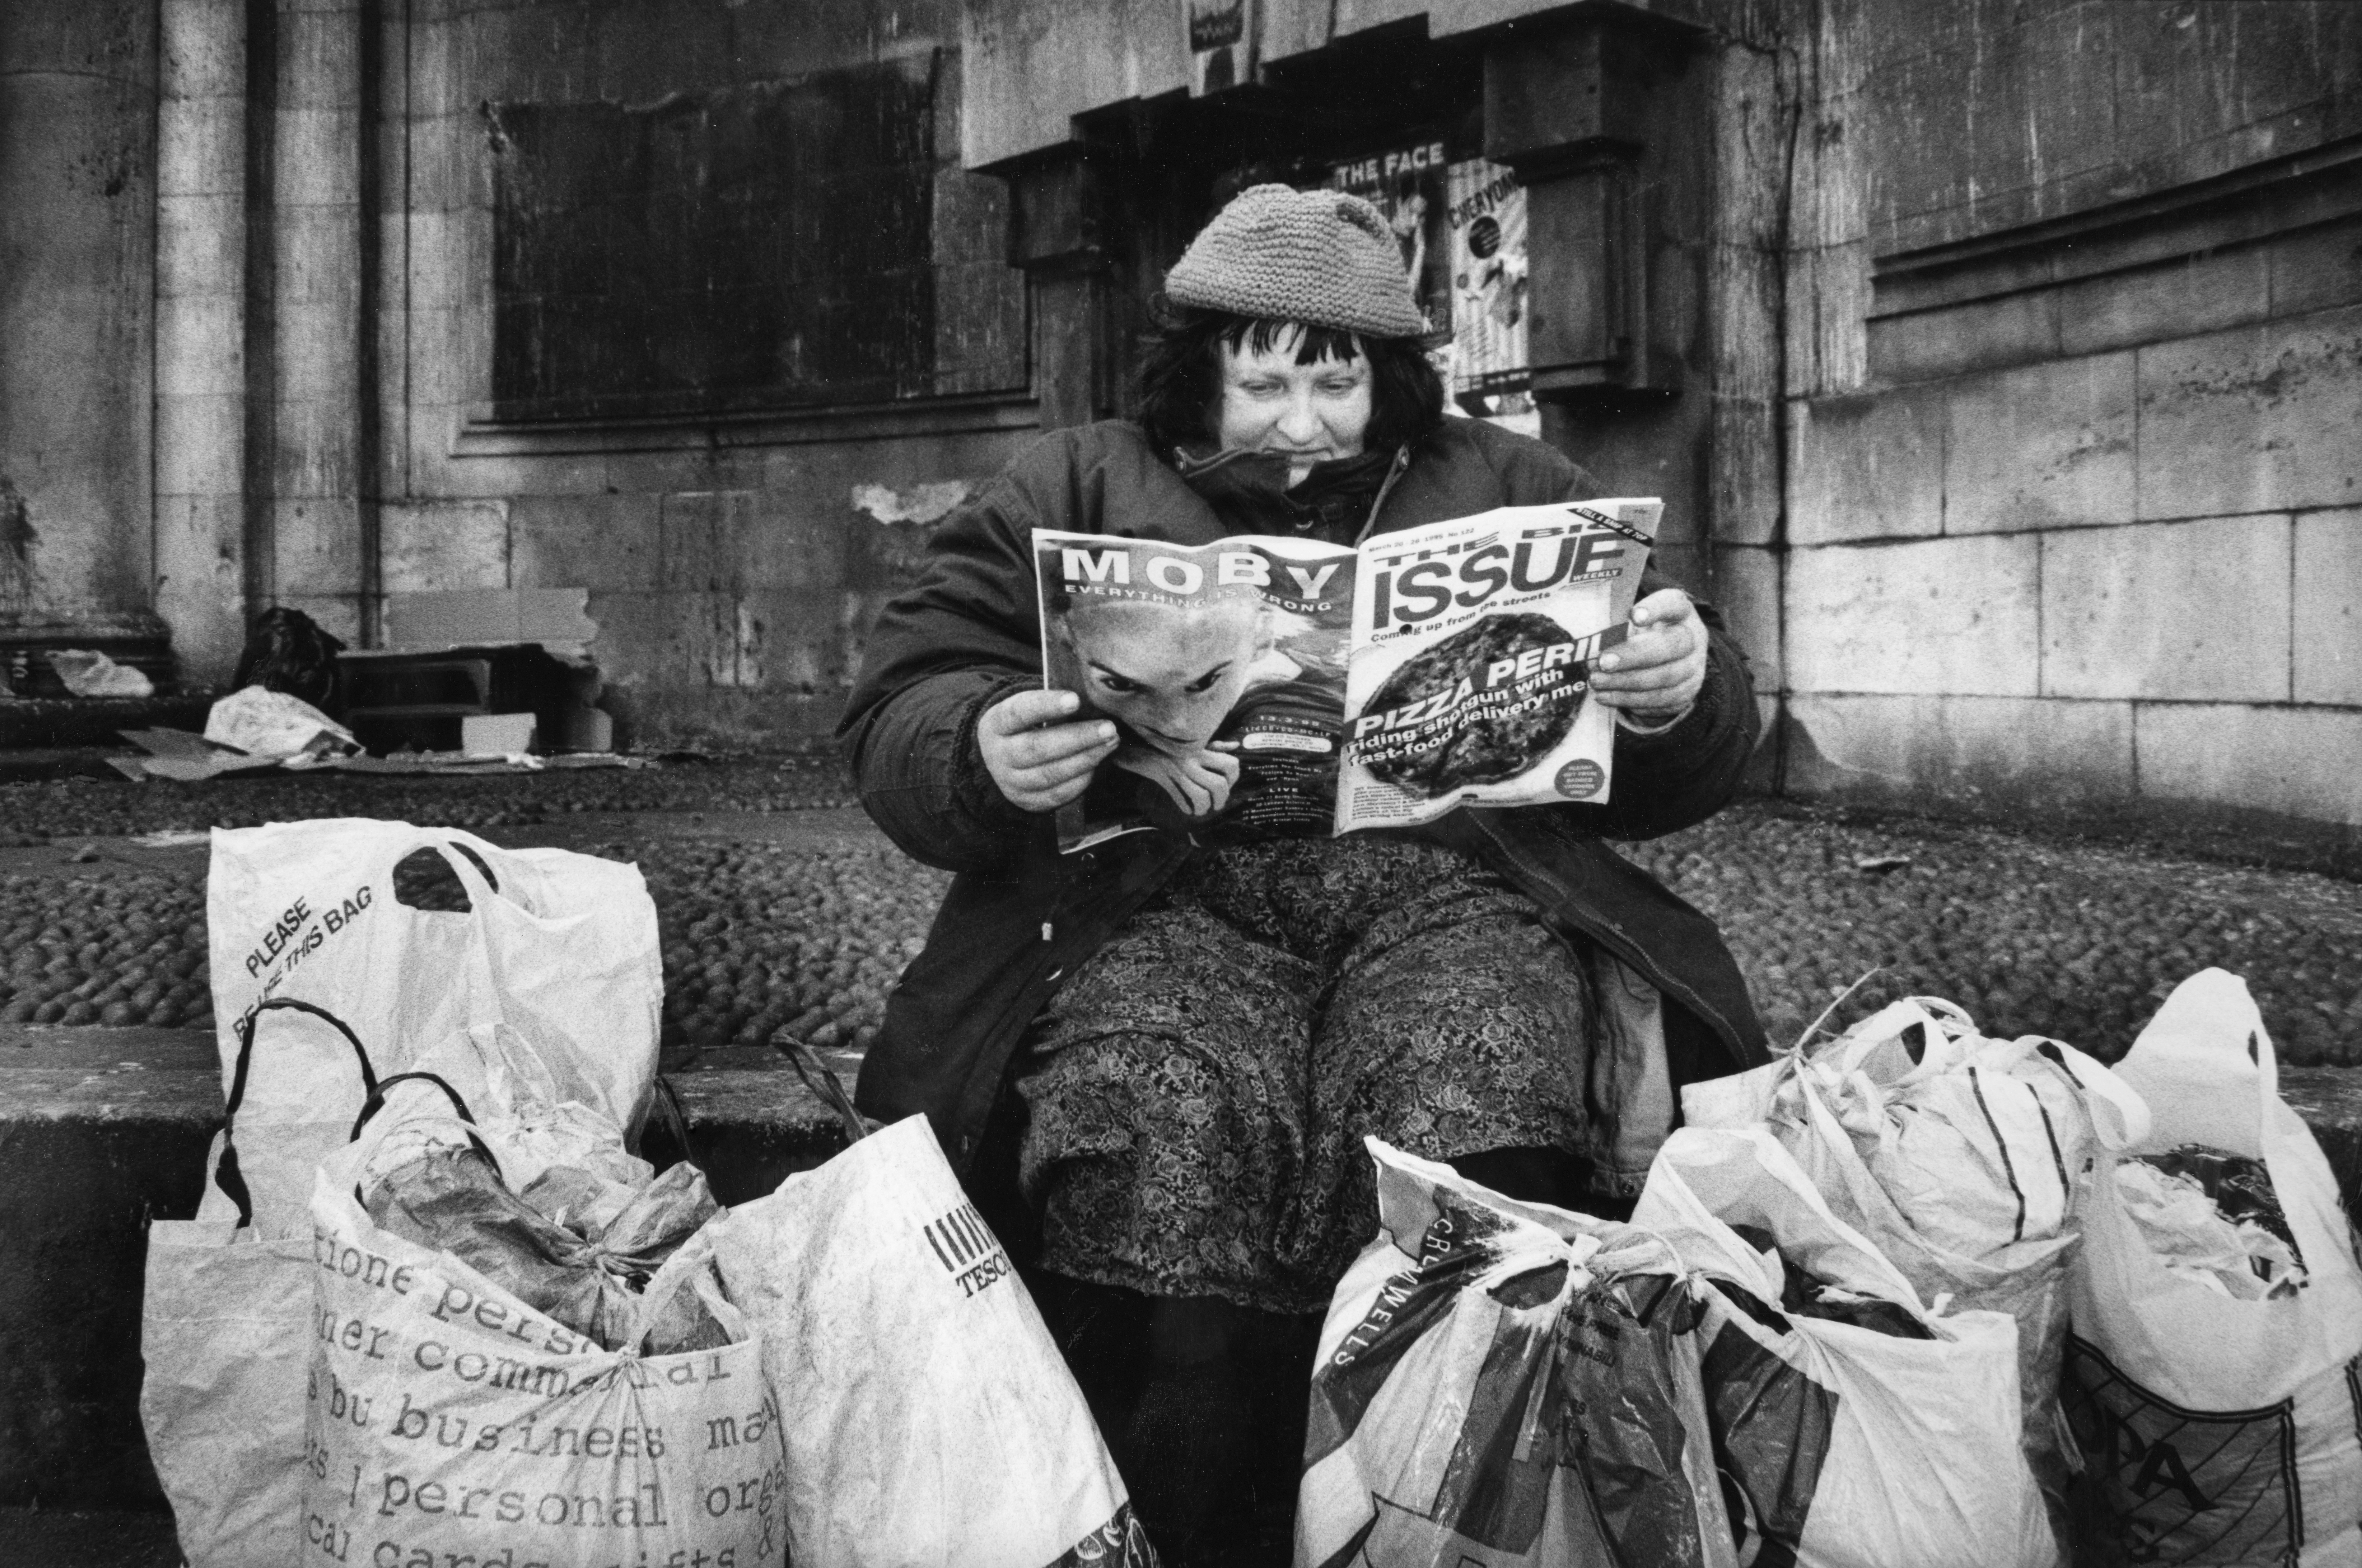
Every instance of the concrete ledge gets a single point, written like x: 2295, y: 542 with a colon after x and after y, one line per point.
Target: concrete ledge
x: 88, y: 1539
x: 104, y: 1129
x: 94, y: 721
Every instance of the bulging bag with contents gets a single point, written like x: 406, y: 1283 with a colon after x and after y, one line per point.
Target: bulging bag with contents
x: 1853, y: 1427
x: 934, y: 1421
x: 450, y: 1420
x: 2217, y: 1306
x: 1505, y: 1382
x: 1966, y: 1160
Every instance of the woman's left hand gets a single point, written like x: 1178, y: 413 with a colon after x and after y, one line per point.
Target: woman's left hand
x: 1656, y: 673
x: 1199, y: 784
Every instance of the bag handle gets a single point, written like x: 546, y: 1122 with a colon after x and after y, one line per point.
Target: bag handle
x: 823, y: 1083
x: 376, y: 1102
x: 226, y: 1176
x: 668, y: 1110
x: 468, y: 864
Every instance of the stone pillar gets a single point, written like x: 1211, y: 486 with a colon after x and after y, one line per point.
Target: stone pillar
x: 201, y: 321
x: 1056, y: 236
x: 323, y: 549
x: 77, y: 297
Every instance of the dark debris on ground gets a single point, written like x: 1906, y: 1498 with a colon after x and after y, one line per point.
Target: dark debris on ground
x: 2072, y: 940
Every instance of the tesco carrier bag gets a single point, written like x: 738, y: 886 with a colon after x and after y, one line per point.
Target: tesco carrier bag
x: 932, y: 1421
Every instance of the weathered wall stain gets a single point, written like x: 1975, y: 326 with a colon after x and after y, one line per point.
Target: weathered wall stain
x: 16, y: 540
x: 926, y: 503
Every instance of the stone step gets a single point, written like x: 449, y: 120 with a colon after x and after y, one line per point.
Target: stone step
x: 102, y: 1130
x: 122, y: 1539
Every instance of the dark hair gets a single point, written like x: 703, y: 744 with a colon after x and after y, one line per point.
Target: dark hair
x: 1180, y: 376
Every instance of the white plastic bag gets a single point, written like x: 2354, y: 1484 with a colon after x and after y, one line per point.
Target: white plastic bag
x: 561, y: 947
x: 86, y: 672
x: 225, y: 1318
x: 225, y: 1335
x: 930, y: 1417
x: 265, y: 724
x: 1847, y: 1446
x: 1506, y: 1384
x: 2222, y: 1430
x: 1964, y: 1159
x: 450, y: 1421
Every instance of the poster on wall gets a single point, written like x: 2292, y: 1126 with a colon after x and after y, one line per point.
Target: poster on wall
x: 1406, y: 183
x: 1220, y: 38
x: 1485, y: 227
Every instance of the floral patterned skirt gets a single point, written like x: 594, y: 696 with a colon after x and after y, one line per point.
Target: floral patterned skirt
x: 1198, y: 1093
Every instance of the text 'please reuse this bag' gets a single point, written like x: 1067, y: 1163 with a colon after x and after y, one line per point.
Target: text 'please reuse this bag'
x: 2215, y: 1384
x: 1853, y: 1427
x: 561, y: 947
x: 1965, y: 1160
x: 450, y: 1422
x: 932, y: 1421
x: 1504, y: 1383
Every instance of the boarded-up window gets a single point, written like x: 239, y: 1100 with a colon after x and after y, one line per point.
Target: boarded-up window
x: 768, y: 245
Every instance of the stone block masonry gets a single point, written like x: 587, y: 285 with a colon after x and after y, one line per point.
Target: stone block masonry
x: 2165, y: 534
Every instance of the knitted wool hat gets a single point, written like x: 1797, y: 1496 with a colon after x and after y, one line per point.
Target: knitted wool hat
x: 1323, y: 258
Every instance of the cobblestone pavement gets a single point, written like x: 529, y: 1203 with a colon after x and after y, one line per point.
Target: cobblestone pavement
x: 72, y: 808
x: 773, y: 916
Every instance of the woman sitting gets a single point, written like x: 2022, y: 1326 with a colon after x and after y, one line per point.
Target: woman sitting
x: 1155, y: 1061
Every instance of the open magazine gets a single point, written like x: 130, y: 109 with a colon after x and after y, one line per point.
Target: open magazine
x: 1278, y: 687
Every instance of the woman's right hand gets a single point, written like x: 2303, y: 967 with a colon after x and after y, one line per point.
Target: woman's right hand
x: 1039, y: 761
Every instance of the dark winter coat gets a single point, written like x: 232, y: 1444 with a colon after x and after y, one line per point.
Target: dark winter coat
x: 1019, y: 917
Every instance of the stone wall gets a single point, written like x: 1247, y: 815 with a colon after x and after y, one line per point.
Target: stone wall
x: 2073, y: 523
x: 733, y: 560
x: 77, y: 289
x: 330, y: 284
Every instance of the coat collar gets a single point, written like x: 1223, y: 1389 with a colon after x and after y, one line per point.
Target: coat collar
x: 1249, y: 491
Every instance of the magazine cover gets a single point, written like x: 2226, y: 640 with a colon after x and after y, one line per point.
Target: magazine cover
x: 1222, y: 668
x: 1470, y: 673
x: 1264, y: 687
